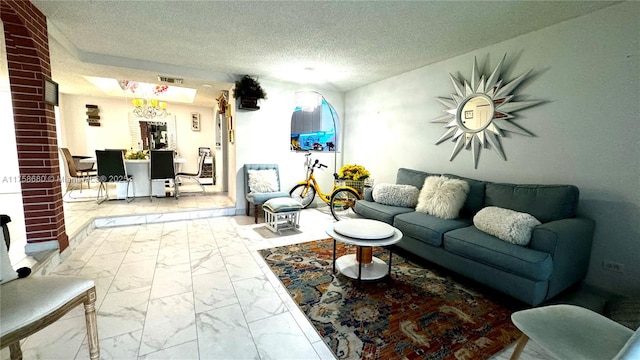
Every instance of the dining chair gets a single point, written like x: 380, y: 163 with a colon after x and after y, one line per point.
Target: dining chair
x: 111, y: 169
x: 162, y: 167
x: 208, y: 170
x: 29, y: 305
x: 195, y: 176
x: 573, y: 332
x: 77, y: 171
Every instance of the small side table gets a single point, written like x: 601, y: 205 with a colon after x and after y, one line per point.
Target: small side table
x: 365, y: 234
x: 282, y: 213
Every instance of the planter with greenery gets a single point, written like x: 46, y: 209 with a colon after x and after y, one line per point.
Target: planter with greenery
x: 249, y: 91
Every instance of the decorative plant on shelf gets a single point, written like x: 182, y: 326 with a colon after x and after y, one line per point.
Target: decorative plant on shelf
x: 249, y: 91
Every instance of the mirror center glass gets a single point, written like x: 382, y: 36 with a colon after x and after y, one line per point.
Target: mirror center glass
x: 149, y: 134
x: 475, y: 113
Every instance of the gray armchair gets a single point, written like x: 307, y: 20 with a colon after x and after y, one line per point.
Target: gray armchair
x: 258, y: 197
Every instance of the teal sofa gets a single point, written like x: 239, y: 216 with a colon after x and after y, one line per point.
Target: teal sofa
x: 556, y: 257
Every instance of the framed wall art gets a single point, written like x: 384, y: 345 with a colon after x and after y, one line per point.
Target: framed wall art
x: 195, y: 121
x: 50, y: 91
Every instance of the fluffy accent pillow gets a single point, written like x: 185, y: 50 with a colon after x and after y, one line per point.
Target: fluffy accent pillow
x: 442, y: 196
x: 505, y: 224
x: 396, y: 195
x: 262, y: 181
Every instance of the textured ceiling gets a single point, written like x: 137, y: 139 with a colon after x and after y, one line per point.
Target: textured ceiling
x: 348, y: 44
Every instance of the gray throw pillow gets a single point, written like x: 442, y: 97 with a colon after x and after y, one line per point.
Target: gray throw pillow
x: 396, y: 195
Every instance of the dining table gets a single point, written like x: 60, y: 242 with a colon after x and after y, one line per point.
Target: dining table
x: 139, y: 170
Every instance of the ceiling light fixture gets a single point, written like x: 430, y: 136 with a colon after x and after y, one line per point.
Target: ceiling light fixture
x: 146, y: 106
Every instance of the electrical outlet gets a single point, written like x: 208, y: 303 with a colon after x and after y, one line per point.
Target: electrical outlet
x: 613, y: 266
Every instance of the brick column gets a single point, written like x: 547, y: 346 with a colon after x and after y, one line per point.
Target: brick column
x: 27, y: 45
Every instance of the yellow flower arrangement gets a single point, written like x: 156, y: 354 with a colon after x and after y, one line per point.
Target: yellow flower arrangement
x: 138, y: 155
x: 353, y: 172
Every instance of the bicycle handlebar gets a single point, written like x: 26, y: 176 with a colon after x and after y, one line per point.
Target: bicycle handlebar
x: 316, y: 164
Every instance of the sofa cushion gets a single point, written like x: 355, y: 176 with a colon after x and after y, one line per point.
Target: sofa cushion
x: 442, y: 196
x: 427, y: 228
x: 545, y: 202
x: 381, y: 212
x: 396, y: 195
x: 412, y: 177
x: 475, y: 197
x: 479, y: 246
x: 505, y: 224
x: 260, y: 198
x: 282, y: 204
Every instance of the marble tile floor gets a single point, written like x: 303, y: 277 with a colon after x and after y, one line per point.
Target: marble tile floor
x: 81, y: 211
x: 189, y: 289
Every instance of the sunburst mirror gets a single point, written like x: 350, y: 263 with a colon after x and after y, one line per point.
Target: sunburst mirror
x: 479, y: 112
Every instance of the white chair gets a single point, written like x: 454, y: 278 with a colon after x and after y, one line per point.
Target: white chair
x: 572, y: 332
x: 31, y: 304
x: 194, y: 176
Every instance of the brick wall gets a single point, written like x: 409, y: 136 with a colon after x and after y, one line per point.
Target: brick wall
x: 27, y: 45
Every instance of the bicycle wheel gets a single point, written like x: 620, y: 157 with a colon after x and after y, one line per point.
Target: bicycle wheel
x: 343, y: 203
x: 304, y: 194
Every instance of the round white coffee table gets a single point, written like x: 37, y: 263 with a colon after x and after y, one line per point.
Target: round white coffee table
x: 365, y: 234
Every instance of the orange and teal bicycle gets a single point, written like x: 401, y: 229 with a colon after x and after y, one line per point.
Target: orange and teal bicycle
x: 342, y: 198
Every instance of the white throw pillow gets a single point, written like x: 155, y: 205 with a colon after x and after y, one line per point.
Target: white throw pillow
x: 442, y: 196
x: 505, y: 224
x: 396, y: 195
x: 262, y: 181
x: 6, y: 269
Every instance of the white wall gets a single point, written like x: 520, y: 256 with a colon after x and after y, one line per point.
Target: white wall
x: 586, y: 133
x: 113, y: 132
x: 10, y: 189
x: 264, y: 136
x: 9, y: 173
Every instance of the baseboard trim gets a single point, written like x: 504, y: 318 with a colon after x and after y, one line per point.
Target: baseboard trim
x: 31, y: 248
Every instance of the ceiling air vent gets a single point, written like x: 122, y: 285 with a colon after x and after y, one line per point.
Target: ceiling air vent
x: 170, y: 80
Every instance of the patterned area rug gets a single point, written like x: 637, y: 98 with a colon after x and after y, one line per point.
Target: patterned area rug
x: 418, y: 314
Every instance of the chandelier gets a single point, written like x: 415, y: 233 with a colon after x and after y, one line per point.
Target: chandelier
x: 146, y: 106
x: 149, y: 108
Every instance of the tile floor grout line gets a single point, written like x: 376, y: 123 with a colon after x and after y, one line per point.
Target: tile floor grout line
x: 144, y: 321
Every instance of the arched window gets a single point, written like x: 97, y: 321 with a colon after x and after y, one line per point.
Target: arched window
x: 314, y: 124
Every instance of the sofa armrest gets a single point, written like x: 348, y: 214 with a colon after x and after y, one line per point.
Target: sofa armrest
x: 568, y: 241
x: 368, y: 193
